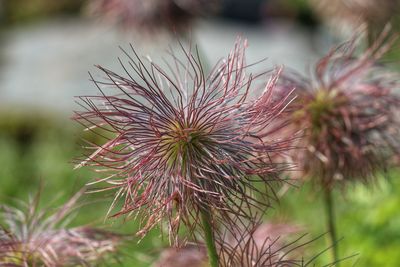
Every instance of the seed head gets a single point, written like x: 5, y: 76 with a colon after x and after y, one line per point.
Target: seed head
x: 182, y: 141
x: 265, y: 245
x: 257, y: 245
x: 376, y: 13
x: 33, y: 237
x: 151, y: 15
x: 350, y: 109
x: 194, y: 255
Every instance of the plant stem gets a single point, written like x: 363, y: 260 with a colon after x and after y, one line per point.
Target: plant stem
x: 330, y: 217
x: 209, y: 238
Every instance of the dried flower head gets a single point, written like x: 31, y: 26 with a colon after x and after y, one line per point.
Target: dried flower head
x: 257, y: 245
x: 151, y: 15
x: 183, y: 141
x: 33, y: 237
x: 262, y: 245
x: 357, y: 12
x: 351, y: 113
x: 194, y: 255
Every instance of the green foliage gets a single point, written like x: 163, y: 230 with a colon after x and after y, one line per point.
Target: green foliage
x: 368, y: 220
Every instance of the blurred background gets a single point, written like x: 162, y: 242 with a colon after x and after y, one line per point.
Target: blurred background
x: 47, y: 48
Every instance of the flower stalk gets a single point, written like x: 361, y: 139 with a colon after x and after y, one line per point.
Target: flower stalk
x: 331, y: 224
x: 209, y: 237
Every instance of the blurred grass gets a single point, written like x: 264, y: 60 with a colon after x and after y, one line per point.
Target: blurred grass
x: 368, y: 221
x: 37, y: 148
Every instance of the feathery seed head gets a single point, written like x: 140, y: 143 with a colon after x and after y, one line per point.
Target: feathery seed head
x: 183, y: 141
x: 350, y: 109
x: 33, y: 237
x: 356, y: 12
x: 257, y: 245
x: 194, y: 255
x: 151, y: 15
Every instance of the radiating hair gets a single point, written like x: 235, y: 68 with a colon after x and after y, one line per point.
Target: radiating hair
x: 30, y: 236
x: 350, y: 109
x: 179, y: 140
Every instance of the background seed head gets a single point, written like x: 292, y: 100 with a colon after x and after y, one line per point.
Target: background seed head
x: 350, y: 109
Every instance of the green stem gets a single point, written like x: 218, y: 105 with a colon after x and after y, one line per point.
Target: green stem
x: 330, y: 216
x: 209, y: 238
x: 371, y: 34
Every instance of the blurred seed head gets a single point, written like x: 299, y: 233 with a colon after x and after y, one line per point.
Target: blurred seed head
x: 350, y: 109
x: 152, y: 16
x: 357, y: 12
x: 33, y: 237
x: 257, y: 245
x: 194, y: 255
x: 263, y: 245
x: 179, y: 141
